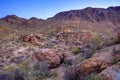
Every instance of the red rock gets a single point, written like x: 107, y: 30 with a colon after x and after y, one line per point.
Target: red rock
x: 111, y: 73
x: 26, y: 38
x: 30, y: 39
x: 38, y: 35
x: 51, y: 56
x: 97, y: 62
x: 33, y: 40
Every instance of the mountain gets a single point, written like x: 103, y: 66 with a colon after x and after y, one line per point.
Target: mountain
x: 111, y: 14
x: 98, y: 20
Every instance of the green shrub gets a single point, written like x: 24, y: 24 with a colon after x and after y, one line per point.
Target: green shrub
x: 71, y: 73
x: 96, y: 40
x: 74, y: 49
x: 24, y: 65
x: 67, y: 62
x: 9, y: 68
x: 54, y: 74
x: 91, y: 77
x: 41, y: 71
x: 114, y: 61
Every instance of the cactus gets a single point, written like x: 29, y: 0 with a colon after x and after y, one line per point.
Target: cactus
x: 16, y: 74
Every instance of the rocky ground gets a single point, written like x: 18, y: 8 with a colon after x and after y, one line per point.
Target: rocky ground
x: 67, y: 55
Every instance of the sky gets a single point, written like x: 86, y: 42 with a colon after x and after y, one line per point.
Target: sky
x: 47, y: 8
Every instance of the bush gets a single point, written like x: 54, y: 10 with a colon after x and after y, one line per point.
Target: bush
x: 68, y: 62
x: 74, y: 49
x: 91, y: 77
x: 71, y: 73
x: 96, y: 41
x: 41, y: 71
x: 114, y: 61
x: 54, y: 74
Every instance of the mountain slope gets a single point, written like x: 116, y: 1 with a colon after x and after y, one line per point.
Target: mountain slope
x: 111, y: 14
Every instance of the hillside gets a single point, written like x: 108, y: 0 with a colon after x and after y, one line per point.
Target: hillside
x: 72, y: 45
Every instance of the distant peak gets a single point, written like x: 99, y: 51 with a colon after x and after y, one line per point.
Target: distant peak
x: 33, y: 18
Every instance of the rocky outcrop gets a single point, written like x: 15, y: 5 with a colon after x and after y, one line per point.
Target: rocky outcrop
x: 111, y: 73
x: 99, y: 60
x: 51, y: 56
x: 30, y: 39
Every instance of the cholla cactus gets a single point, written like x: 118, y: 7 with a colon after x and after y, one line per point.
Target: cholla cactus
x: 16, y: 74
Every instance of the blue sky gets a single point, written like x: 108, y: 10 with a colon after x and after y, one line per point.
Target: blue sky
x: 48, y: 8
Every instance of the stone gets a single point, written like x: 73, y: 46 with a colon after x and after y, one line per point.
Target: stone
x: 33, y: 40
x: 98, y: 61
x: 39, y: 35
x: 30, y: 39
x: 51, y: 56
x: 111, y: 73
x: 26, y: 38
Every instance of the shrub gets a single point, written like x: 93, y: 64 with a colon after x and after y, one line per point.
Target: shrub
x: 71, y: 73
x: 91, y: 77
x: 9, y: 68
x: 74, y: 49
x: 41, y: 71
x: 24, y: 65
x: 68, y: 62
x: 54, y: 74
x: 96, y: 41
x: 114, y: 61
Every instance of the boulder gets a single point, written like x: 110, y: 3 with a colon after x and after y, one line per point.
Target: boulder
x: 30, y: 39
x: 26, y: 38
x: 98, y: 61
x: 51, y: 56
x: 111, y: 73
x: 33, y: 40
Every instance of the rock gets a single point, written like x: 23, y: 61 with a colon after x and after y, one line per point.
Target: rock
x: 111, y: 73
x: 33, y: 40
x: 51, y: 56
x: 38, y: 35
x: 26, y: 38
x: 30, y: 39
x: 98, y: 62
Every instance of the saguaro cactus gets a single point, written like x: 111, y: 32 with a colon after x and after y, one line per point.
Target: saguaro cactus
x: 16, y: 74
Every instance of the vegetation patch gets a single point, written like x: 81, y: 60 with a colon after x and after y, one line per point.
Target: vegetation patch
x: 74, y: 49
